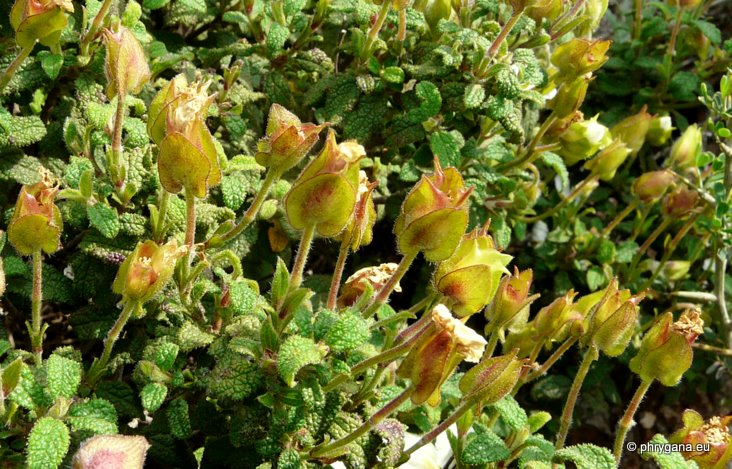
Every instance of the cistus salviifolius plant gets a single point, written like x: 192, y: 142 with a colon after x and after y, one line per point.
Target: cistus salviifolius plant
x: 328, y: 233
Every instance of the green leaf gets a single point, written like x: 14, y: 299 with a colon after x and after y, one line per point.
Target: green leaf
x: 234, y: 190
x: 178, y: 419
x: 47, y: 444
x: 296, y: 353
x: 190, y: 337
x: 153, y: 395
x: 393, y: 75
x: 626, y: 251
x: 11, y: 377
x: 242, y: 298
x: 485, y: 448
x: 95, y: 416
x: 586, y: 455
x: 606, y: 252
x: 64, y: 376
x: 349, y: 332
x: 512, y: 414
x: 446, y: 148
x: 155, y: 4
x: 672, y: 460
x: 165, y: 355
x: 595, y: 278
x: 710, y: 30
x: 51, y: 63
x: 234, y: 377
x: 474, y: 96
x: 537, y: 420
x: 276, y: 38
x: 104, y: 218
x: 280, y: 284
x: 556, y: 162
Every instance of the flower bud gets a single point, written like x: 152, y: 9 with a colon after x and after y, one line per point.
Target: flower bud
x: 511, y: 301
x: 492, y: 379
x: 287, y: 140
x: 578, y: 57
x: 469, y: 278
x: 355, y: 285
x: 434, y: 215
x: 686, y: 148
x: 714, y: 433
x: 126, y: 67
x: 360, y: 229
x: 39, y: 20
x: 146, y: 271
x: 659, y: 130
x: 176, y: 122
x: 538, y: 10
x: 570, y: 96
x: 556, y: 320
x: 651, y: 186
x: 437, y: 353
x: 665, y: 352
x: 612, y: 322
x: 111, y: 452
x: 608, y: 160
x: 36, y: 223
x: 676, y: 270
x: 436, y: 10
x: 324, y: 195
x: 632, y: 130
x: 594, y: 11
x: 582, y: 139
x: 679, y: 203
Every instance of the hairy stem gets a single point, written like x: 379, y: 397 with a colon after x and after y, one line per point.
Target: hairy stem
x: 627, y: 420
x: 159, y: 228
x: 647, y: 244
x: 591, y: 355
x: 13, y: 67
x: 390, y: 285
x: 444, y: 425
x: 251, y: 213
x: 372, y: 421
x: 552, y: 359
x: 36, y: 304
x: 335, y: 283
x: 493, y: 49
x: 114, y: 165
x: 374, y: 32
x: 670, y: 249
x: 619, y: 218
x: 98, y: 367
x: 572, y: 195
x: 94, y: 29
x: 302, y: 255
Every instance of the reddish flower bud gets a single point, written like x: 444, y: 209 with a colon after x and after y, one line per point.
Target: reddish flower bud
x: 538, y: 10
x: 325, y: 193
x: 360, y: 229
x: 36, y: 222
x: 111, y: 452
x: 510, y: 305
x: 612, y: 322
x: 665, y: 352
x: 714, y: 433
x: 176, y: 122
x: 146, y: 271
x: 437, y: 353
x: 632, y: 130
x: 287, y: 141
x: 126, y: 67
x: 355, y: 285
x: 651, y: 186
x: 492, y: 379
x: 434, y: 215
x: 680, y: 203
x: 558, y: 319
x: 469, y: 278
x: 39, y: 20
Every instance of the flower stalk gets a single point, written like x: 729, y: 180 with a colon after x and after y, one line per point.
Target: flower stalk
x: 383, y: 295
x: 591, y: 355
x: 12, y: 69
x: 627, y: 420
x: 298, y: 267
x: 36, y: 305
x: 98, y: 367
